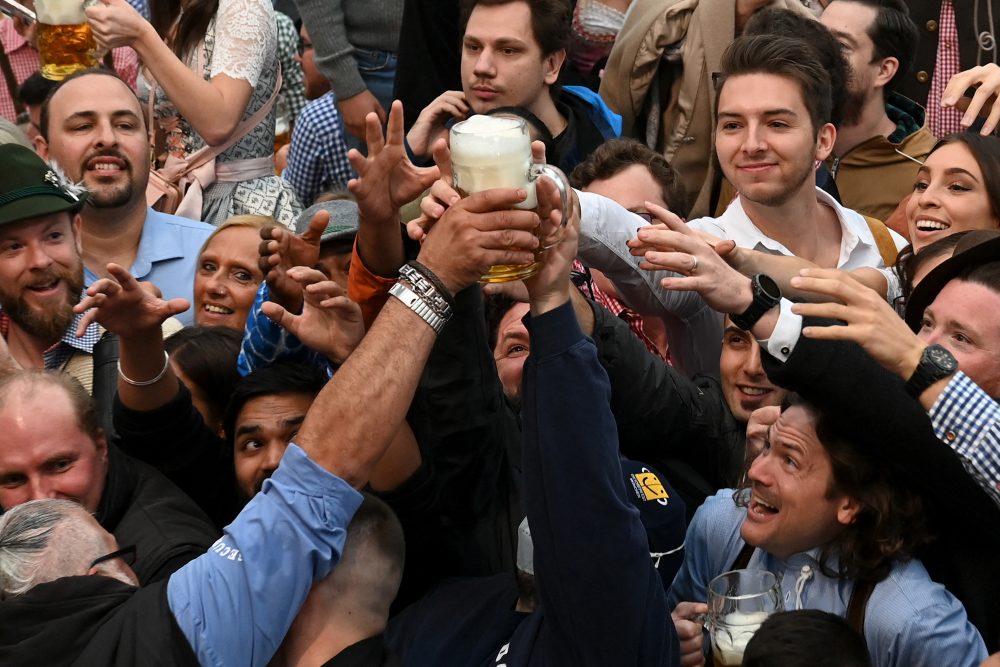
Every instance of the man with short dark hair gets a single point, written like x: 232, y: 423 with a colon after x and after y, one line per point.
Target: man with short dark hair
x: 882, y: 138
x: 94, y: 128
x: 512, y: 53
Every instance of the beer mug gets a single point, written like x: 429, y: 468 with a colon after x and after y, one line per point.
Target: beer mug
x: 495, y: 152
x: 738, y: 604
x: 65, y: 43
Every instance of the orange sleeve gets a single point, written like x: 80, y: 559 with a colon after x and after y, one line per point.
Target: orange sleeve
x: 366, y: 289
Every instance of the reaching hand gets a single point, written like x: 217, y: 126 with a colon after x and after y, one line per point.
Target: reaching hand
x: 442, y: 195
x: 550, y: 287
x: 986, y: 80
x: 690, y: 632
x: 431, y: 123
x: 673, y: 246
x: 386, y: 177
x: 758, y: 426
x: 124, y: 306
x: 868, y: 320
x: 330, y: 323
x: 355, y: 109
x: 478, y: 232
x: 281, y: 249
x: 115, y: 23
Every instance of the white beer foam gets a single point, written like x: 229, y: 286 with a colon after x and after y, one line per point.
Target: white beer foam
x: 60, y: 12
x: 734, y: 632
x: 492, y: 152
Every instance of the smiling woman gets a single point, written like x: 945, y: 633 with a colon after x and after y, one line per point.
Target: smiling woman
x: 957, y: 189
x: 227, y: 276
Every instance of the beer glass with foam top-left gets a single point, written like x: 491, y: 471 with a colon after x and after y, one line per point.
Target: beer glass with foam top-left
x: 65, y: 42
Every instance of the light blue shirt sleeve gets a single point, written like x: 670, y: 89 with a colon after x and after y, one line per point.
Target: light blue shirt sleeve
x: 236, y: 602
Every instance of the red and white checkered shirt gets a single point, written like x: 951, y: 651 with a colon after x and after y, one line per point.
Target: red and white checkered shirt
x: 944, y: 121
x: 24, y: 62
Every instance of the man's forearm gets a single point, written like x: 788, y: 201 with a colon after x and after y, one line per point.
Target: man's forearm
x: 367, y: 399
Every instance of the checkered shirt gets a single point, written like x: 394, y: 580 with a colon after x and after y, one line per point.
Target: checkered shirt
x: 317, y: 159
x: 56, y: 356
x: 944, y: 121
x: 293, y: 79
x: 621, y: 311
x: 266, y: 343
x: 24, y: 62
x: 967, y: 419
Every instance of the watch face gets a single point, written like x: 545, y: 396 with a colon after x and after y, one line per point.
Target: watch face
x: 941, y: 358
x: 769, y: 287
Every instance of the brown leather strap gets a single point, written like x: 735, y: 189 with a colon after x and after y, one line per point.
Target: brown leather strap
x: 883, y: 239
x: 743, y: 557
x: 858, y: 604
x: 11, y: 80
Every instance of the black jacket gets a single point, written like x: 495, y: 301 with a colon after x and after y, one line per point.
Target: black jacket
x: 142, y: 507
x: 174, y: 439
x: 92, y: 621
x: 682, y: 427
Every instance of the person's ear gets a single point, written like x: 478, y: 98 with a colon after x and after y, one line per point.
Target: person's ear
x: 886, y: 71
x: 825, y: 139
x: 41, y: 147
x: 551, y: 65
x: 848, y: 510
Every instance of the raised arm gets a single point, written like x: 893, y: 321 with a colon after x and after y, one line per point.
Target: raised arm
x: 214, y: 107
x: 603, y: 600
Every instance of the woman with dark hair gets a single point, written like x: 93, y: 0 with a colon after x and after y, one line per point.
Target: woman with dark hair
x: 957, y: 189
x: 204, y: 359
x: 209, y: 65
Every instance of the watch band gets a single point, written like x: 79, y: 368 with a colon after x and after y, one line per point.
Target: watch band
x: 762, y: 302
x: 426, y: 290
x: 417, y: 304
x: 936, y: 363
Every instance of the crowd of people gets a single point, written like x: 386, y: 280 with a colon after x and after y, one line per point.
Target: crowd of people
x: 281, y: 419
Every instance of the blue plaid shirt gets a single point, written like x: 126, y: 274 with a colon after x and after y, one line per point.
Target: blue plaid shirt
x: 967, y: 419
x: 265, y: 343
x: 317, y: 158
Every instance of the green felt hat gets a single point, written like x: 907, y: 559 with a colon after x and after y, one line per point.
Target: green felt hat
x: 29, y: 187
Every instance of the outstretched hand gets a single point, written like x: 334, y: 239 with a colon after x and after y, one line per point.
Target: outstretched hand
x: 330, y: 323
x: 386, y: 178
x: 281, y: 249
x: 124, y: 306
x: 868, y: 319
x: 673, y: 246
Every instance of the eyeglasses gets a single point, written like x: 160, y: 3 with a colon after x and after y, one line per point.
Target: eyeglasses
x: 303, y: 46
x: 127, y: 554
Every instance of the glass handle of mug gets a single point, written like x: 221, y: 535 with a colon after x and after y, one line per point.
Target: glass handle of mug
x: 562, y: 185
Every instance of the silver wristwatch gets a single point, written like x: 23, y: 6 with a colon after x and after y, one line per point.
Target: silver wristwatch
x: 419, y: 305
x: 426, y: 290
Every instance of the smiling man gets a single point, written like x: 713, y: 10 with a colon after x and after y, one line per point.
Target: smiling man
x: 838, y: 530
x: 512, y: 53
x: 774, y: 107
x: 92, y: 126
x: 41, y: 273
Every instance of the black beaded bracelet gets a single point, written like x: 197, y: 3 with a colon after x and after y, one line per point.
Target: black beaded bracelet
x: 433, y: 280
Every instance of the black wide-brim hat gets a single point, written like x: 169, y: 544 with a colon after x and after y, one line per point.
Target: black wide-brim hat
x: 30, y: 188
x: 976, y: 247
